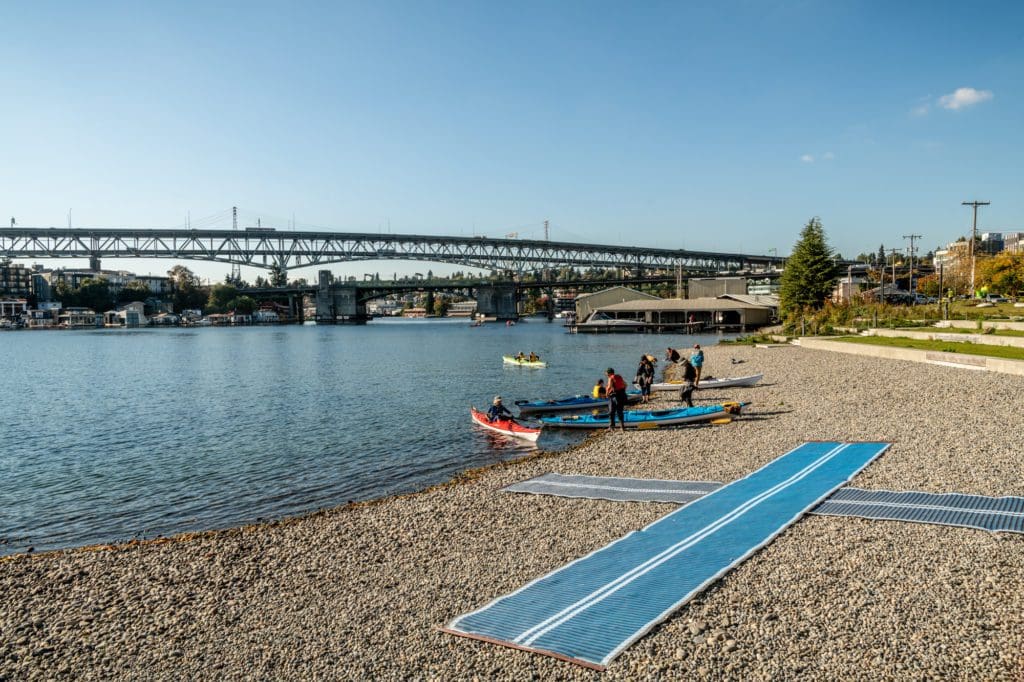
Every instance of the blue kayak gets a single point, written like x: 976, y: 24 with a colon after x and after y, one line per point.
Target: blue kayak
x: 576, y: 402
x: 649, y: 419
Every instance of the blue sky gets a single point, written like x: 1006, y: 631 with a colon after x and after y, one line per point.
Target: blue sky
x: 712, y: 126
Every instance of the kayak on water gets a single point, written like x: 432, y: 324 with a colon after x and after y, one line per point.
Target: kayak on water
x: 576, y: 402
x: 511, y: 360
x: 504, y: 426
x: 649, y: 419
x: 718, y: 382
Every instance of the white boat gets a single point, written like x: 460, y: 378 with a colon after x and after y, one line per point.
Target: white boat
x: 718, y: 382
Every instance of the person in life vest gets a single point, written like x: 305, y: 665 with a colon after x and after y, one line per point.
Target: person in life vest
x: 498, y: 411
x: 534, y: 357
x: 616, y: 399
x: 599, y: 391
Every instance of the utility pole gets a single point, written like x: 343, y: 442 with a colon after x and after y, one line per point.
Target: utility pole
x: 546, y: 238
x: 911, y: 237
x: 974, y: 232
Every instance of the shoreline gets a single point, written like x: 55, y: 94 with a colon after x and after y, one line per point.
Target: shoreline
x: 358, y: 591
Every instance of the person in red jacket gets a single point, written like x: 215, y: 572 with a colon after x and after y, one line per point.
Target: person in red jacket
x: 616, y: 399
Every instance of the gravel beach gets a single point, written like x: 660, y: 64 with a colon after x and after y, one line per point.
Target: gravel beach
x: 358, y: 592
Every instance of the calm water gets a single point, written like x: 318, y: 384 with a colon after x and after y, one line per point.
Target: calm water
x: 110, y: 435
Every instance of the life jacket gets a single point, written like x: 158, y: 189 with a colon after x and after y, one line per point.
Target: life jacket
x: 617, y: 383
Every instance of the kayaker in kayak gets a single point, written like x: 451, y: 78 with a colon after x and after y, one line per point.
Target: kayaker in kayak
x: 599, y: 391
x: 497, y: 411
x: 534, y: 357
x: 520, y: 356
x: 616, y: 399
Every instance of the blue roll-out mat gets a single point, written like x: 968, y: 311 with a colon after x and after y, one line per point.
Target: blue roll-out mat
x: 590, y: 610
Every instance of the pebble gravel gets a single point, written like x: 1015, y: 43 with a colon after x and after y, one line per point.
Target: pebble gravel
x: 358, y: 592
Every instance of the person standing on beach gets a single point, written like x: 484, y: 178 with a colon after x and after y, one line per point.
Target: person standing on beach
x: 616, y: 399
x: 644, y: 378
x: 697, y: 360
x: 689, y: 376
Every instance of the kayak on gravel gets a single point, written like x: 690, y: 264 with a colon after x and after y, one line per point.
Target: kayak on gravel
x: 649, y: 419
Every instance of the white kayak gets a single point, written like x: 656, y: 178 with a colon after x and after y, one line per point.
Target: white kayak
x: 717, y: 382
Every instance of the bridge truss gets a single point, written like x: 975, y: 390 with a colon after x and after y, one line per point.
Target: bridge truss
x: 266, y: 247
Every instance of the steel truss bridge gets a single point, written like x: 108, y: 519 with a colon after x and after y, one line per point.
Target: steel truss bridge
x: 267, y: 247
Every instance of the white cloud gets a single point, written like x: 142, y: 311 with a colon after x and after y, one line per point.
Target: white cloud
x: 964, y: 97
x: 920, y: 110
x: 828, y: 156
x: 807, y: 158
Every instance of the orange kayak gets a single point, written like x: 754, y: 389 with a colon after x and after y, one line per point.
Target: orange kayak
x: 505, y: 426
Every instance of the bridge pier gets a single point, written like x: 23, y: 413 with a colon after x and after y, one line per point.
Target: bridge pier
x: 338, y: 303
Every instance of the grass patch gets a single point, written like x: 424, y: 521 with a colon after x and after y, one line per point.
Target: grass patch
x: 988, y: 331
x: 747, y: 340
x: 964, y: 347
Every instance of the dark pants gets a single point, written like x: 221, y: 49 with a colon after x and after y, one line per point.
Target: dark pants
x: 617, y: 406
x: 687, y: 393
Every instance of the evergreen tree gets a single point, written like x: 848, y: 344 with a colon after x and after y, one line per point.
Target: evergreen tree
x: 881, y: 254
x: 810, y: 271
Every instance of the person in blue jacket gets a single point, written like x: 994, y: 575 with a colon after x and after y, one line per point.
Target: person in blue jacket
x: 497, y: 411
x: 697, y: 360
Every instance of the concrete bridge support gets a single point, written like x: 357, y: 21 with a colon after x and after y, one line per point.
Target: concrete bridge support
x: 338, y: 303
x: 498, y: 301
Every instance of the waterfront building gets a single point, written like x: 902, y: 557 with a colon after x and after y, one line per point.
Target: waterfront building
x: 13, y: 308
x: 711, y: 287
x: 586, y: 304
x: 765, y: 286
x: 79, y: 318
x: 462, y: 309
x: 15, y: 279
x: 129, y: 315
x: 734, y: 311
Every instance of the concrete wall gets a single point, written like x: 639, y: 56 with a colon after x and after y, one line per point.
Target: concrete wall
x: 959, y: 360
x: 981, y: 339
x: 987, y: 324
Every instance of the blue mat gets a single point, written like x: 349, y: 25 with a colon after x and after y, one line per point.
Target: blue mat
x: 590, y: 610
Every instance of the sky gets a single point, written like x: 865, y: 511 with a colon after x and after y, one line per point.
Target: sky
x: 720, y: 126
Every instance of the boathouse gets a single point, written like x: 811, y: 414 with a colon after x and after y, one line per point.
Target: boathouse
x: 586, y: 304
x: 724, y: 312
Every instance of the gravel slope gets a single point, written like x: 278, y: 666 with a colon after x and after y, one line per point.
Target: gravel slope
x: 358, y: 592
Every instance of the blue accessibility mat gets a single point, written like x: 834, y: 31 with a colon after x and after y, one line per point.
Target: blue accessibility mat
x: 590, y: 610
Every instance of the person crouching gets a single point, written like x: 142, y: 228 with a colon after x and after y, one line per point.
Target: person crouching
x: 689, y: 377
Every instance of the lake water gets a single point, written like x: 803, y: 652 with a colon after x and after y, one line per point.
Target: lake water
x: 111, y: 435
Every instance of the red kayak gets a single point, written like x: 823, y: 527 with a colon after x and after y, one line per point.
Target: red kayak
x: 505, y: 426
